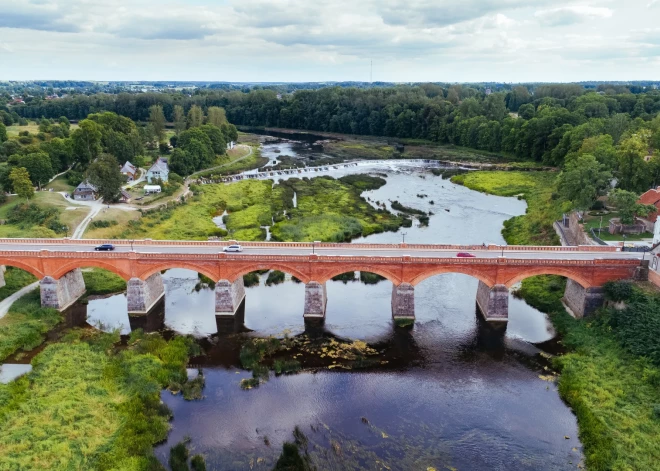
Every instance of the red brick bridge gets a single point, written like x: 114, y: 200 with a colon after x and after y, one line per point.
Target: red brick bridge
x: 57, y: 263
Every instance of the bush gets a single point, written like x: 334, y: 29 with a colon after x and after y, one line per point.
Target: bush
x: 25, y: 139
x: 103, y: 224
x: 619, y: 290
x: 598, y: 205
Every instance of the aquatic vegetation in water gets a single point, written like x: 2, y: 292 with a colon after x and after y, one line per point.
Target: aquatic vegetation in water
x: 275, y: 277
x: 251, y: 279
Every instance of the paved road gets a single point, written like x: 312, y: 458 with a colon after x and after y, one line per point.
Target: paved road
x: 348, y: 250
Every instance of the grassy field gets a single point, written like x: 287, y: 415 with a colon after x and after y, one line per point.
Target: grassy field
x: 25, y: 325
x: 87, y: 405
x: 60, y: 184
x: 535, y: 227
x: 122, y: 218
x: 13, y: 130
x: 44, y: 199
x: 615, y: 394
x: 98, y: 281
x: 15, y: 279
x: 328, y: 209
x: 232, y: 163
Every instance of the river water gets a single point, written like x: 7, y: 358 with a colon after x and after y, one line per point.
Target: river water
x: 454, y: 394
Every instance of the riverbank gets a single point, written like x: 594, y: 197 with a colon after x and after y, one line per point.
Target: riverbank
x: 614, y: 392
x: 536, y: 188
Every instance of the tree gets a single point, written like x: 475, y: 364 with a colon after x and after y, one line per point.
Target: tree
x: 86, y: 141
x: 628, y: 207
x: 38, y: 166
x: 231, y: 133
x: 157, y: 121
x: 582, y: 181
x: 20, y: 179
x: 3, y: 133
x: 60, y: 152
x: 216, y: 116
x: 179, y: 119
x: 195, y: 117
x: 633, y: 172
x: 104, y: 173
x: 219, y: 145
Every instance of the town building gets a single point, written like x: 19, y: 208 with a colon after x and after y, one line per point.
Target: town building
x: 129, y: 171
x: 85, y: 192
x: 158, y: 171
x: 651, y: 197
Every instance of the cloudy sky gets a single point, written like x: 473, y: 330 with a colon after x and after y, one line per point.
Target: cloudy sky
x: 302, y: 40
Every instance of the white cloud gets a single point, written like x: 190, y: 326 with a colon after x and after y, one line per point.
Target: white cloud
x: 570, y: 15
x: 299, y: 40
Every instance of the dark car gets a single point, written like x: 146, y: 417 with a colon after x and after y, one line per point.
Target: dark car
x: 105, y: 247
x: 465, y: 255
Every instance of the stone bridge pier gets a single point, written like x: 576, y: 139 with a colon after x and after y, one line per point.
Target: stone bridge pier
x: 229, y: 297
x: 3, y: 269
x: 403, y: 302
x: 493, y: 302
x: 63, y: 292
x: 582, y: 301
x: 316, y: 299
x: 142, y: 295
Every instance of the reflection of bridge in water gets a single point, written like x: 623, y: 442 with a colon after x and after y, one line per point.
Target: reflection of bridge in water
x: 58, y: 262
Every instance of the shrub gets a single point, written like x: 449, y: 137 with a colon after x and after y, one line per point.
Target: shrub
x: 251, y: 279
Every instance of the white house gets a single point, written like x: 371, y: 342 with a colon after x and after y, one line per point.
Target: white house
x: 159, y: 170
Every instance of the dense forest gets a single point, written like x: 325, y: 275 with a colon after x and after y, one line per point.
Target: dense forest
x: 608, y: 130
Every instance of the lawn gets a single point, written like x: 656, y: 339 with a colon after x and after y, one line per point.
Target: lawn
x: 536, y: 226
x: 122, y: 219
x: 594, y: 222
x: 232, y: 165
x: 60, y: 184
x: 15, y: 279
x: 45, y: 199
x: 14, y: 129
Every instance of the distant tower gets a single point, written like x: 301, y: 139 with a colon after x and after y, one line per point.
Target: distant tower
x: 371, y: 72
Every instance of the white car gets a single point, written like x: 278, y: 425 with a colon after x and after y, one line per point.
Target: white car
x: 232, y: 248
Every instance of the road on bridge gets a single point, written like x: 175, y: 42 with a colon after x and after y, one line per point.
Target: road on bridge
x: 363, y: 250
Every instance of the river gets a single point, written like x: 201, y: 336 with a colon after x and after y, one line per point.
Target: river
x: 453, y: 395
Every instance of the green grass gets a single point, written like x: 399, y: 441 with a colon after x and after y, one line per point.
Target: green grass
x: 25, y: 325
x: 612, y: 392
x: 123, y: 218
x: 99, y: 281
x: 60, y: 184
x: 15, y: 279
x: 234, y: 163
x: 593, y: 222
x: 87, y: 405
x: 44, y: 199
x: 533, y: 228
x: 328, y: 210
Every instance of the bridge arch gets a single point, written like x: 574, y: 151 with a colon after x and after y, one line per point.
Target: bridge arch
x: 459, y: 269
x: 89, y: 263
x: 550, y: 270
x: 210, y: 272
x: 331, y: 273
x: 23, y: 266
x: 291, y: 270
